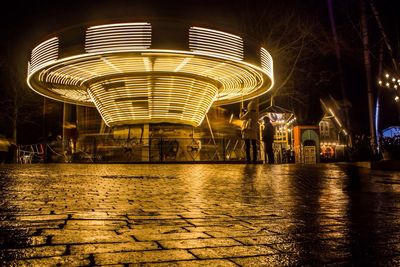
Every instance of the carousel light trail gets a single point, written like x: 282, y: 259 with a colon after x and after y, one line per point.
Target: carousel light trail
x: 129, y: 82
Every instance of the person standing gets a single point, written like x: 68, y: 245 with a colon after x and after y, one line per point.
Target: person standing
x: 268, y: 139
x: 250, y: 130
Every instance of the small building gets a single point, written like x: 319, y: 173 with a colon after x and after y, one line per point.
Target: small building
x: 332, y: 132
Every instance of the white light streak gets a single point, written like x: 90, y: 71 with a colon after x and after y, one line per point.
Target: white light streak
x: 44, y: 53
x: 118, y: 37
x: 217, y: 43
x: 267, y: 62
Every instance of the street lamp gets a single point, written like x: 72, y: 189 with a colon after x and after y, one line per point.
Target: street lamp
x: 391, y: 82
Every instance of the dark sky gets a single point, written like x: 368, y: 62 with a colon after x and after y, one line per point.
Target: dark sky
x: 27, y: 23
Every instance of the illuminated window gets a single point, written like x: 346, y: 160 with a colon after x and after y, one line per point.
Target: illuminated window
x: 324, y: 129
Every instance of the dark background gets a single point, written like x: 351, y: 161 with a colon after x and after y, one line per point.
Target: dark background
x: 24, y: 24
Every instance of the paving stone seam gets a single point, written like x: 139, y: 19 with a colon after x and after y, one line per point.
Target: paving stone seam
x: 233, y: 236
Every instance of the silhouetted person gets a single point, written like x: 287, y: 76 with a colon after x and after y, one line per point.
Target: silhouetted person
x: 250, y: 130
x: 74, y: 138
x: 268, y: 139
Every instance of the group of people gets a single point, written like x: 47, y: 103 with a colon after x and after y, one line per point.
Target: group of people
x: 250, y: 132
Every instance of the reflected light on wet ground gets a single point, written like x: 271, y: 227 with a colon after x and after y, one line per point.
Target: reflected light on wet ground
x: 209, y: 215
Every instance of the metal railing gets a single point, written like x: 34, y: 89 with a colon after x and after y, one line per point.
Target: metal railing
x: 160, y: 150
x: 114, y: 150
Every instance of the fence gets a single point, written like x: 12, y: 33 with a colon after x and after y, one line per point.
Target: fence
x: 160, y: 150
x: 105, y: 149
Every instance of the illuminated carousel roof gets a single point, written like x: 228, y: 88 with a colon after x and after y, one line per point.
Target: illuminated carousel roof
x: 130, y: 80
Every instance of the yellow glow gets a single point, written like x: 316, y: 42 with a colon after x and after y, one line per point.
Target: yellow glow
x: 338, y: 122
x: 118, y: 37
x: 235, y: 81
x: 44, y: 53
x: 267, y: 62
x: 217, y: 43
x: 153, y: 98
x: 130, y: 83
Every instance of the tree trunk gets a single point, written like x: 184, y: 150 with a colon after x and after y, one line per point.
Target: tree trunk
x: 367, y: 64
x: 14, y: 121
x: 340, y: 70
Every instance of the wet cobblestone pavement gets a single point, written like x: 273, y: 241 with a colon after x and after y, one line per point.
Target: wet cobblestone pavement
x: 198, y: 215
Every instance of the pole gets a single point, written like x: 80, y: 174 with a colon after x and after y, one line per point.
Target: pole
x: 63, y: 127
x: 367, y: 64
x: 340, y: 69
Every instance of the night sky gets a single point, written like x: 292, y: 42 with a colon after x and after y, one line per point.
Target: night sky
x: 27, y: 23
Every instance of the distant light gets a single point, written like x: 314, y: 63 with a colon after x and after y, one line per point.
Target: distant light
x: 395, y: 86
x: 393, y: 80
x: 380, y: 82
x: 396, y: 98
x: 387, y: 75
x: 387, y: 84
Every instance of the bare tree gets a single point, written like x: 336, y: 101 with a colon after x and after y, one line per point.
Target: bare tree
x: 298, y: 44
x: 18, y: 104
x: 367, y: 64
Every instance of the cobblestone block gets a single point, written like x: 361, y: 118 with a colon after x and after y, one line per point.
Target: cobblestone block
x: 84, y: 236
x: 239, y: 233
x: 99, y: 225
x: 214, y: 228
x: 144, y: 256
x: 160, y: 222
x: 151, y: 230
x: 42, y: 217
x: 198, y: 243
x: 112, y: 247
x: 234, y: 251
x: 51, y: 261
x: 34, y: 252
x: 154, y: 217
x: 198, y: 215
x: 221, y: 221
x: 192, y: 263
x: 262, y: 239
x: 270, y: 260
x: 170, y: 236
x: 100, y: 215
